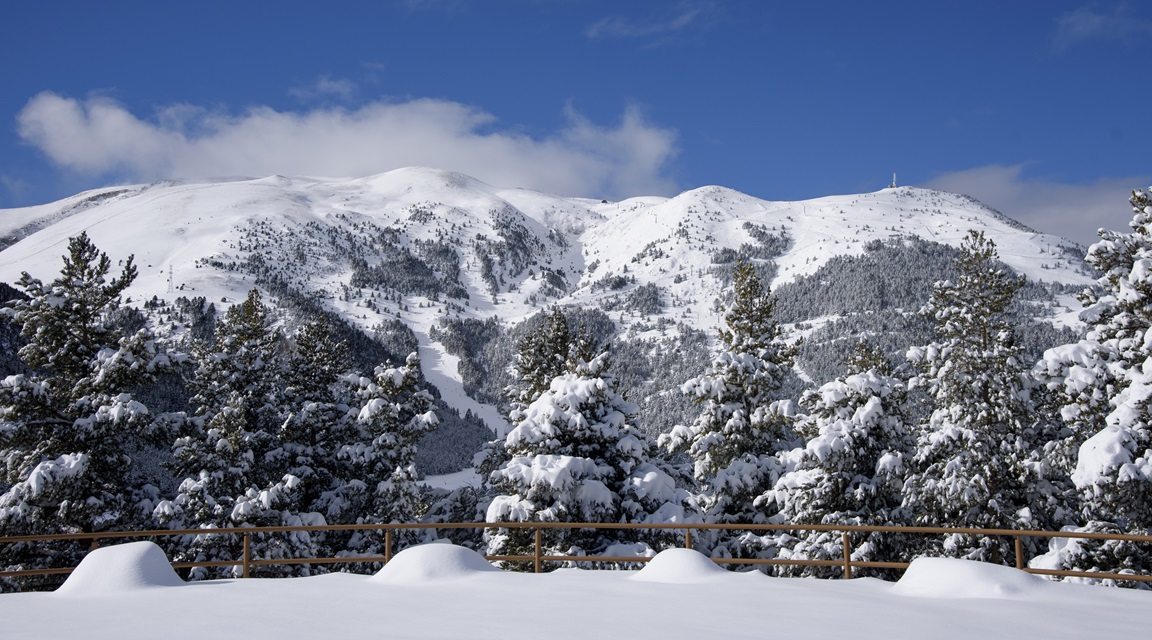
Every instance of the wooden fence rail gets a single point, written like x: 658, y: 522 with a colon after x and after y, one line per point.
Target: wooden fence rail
x: 538, y: 558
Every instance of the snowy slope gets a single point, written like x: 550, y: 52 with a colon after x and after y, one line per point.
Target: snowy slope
x: 432, y: 243
x: 179, y: 225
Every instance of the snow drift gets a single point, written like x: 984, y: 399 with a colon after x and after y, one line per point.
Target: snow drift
x: 121, y: 568
x: 953, y: 578
x: 680, y: 566
x: 432, y: 563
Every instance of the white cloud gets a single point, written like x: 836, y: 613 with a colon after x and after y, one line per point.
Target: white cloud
x: 1074, y: 211
x: 683, y: 17
x: 1093, y: 22
x: 99, y: 137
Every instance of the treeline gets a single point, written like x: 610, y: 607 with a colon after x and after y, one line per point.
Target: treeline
x: 276, y: 429
x: 969, y: 427
x: 962, y: 431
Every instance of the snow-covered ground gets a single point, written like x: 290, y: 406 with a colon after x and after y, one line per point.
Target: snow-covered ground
x: 443, y: 591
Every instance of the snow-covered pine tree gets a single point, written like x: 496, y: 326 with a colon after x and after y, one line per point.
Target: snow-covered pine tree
x: 395, y: 412
x: 972, y: 467
x: 576, y: 457
x: 231, y: 460
x: 1103, y: 384
x: 741, y: 427
x: 541, y: 356
x: 320, y: 420
x: 851, y: 469
x: 68, y: 428
x: 246, y: 359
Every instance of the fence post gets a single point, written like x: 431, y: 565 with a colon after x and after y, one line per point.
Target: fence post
x: 247, y: 552
x: 387, y: 546
x: 687, y: 538
x: 537, y: 550
x: 847, y: 557
x: 94, y: 546
x: 1019, y: 554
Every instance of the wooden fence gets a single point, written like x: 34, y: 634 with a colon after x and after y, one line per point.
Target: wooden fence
x: 538, y: 558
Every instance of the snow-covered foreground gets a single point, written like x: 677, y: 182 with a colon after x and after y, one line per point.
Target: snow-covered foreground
x: 443, y: 591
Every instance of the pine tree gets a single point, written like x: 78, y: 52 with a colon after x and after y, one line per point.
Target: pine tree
x: 69, y: 426
x: 233, y: 460
x: 741, y: 427
x: 246, y: 359
x: 972, y: 468
x: 542, y: 356
x: 1101, y: 386
x: 395, y: 412
x: 851, y: 469
x: 316, y: 401
x: 575, y: 457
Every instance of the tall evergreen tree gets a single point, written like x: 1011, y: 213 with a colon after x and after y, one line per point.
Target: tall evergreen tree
x: 575, y: 457
x: 851, y: 469
x: 972, y: 468
x: 232, y: 459
x: 541, y: 357
x: 741, y: 427
x: 319, y: 419
x: 1101, y: 387
x: 68, y: 428
x: 395, y: 412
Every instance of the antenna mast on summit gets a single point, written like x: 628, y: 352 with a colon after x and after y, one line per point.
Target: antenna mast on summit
x: 171, y: 283
x: 893, y: 180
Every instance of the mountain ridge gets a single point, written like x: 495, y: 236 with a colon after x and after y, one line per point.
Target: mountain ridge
x: 421, y: 246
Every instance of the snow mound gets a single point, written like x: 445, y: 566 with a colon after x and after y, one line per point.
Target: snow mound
x: 431, y: 563
x: 679, y: 566
x: 954, y: 578
x: 119, y: 568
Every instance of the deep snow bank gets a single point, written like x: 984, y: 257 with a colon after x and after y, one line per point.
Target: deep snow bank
x: 953, y: 578
x: 433, y: 562
x: 120, y: 568
x: 680, y: 566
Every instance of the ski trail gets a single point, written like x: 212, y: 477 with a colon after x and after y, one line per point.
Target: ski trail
x: 440, y: 369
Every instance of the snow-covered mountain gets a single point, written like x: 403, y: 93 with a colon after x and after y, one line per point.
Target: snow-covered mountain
x: 422, y: 245
x: 515, y: 250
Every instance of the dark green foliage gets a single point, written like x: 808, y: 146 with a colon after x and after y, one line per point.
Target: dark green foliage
x: 972, y: 468
x: 71, y: 421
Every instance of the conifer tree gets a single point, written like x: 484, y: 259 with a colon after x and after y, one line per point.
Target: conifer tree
x: 68, y: 428
x: 576, y: 457
x: 851, y: 469
x: 741, y: 427
x: 1101, y: 386
x: 244, y: 359
x: 233, y: 461
x: 316, y: 401
x: 395, y: 412
x: 541, y: 356
x: 972, y: 468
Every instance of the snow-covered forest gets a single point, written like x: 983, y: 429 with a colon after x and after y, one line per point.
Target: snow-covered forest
x: 109, y: 420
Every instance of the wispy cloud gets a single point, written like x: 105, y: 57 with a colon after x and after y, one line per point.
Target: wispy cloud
x: 1095, y: 22
x: 15, y: 186
x: 677, y: 18
x: 1074, y: 211
x: 324, y: 88
x: 99, y: 137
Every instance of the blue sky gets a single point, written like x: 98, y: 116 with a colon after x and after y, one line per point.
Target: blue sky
x: 1038, y: 108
